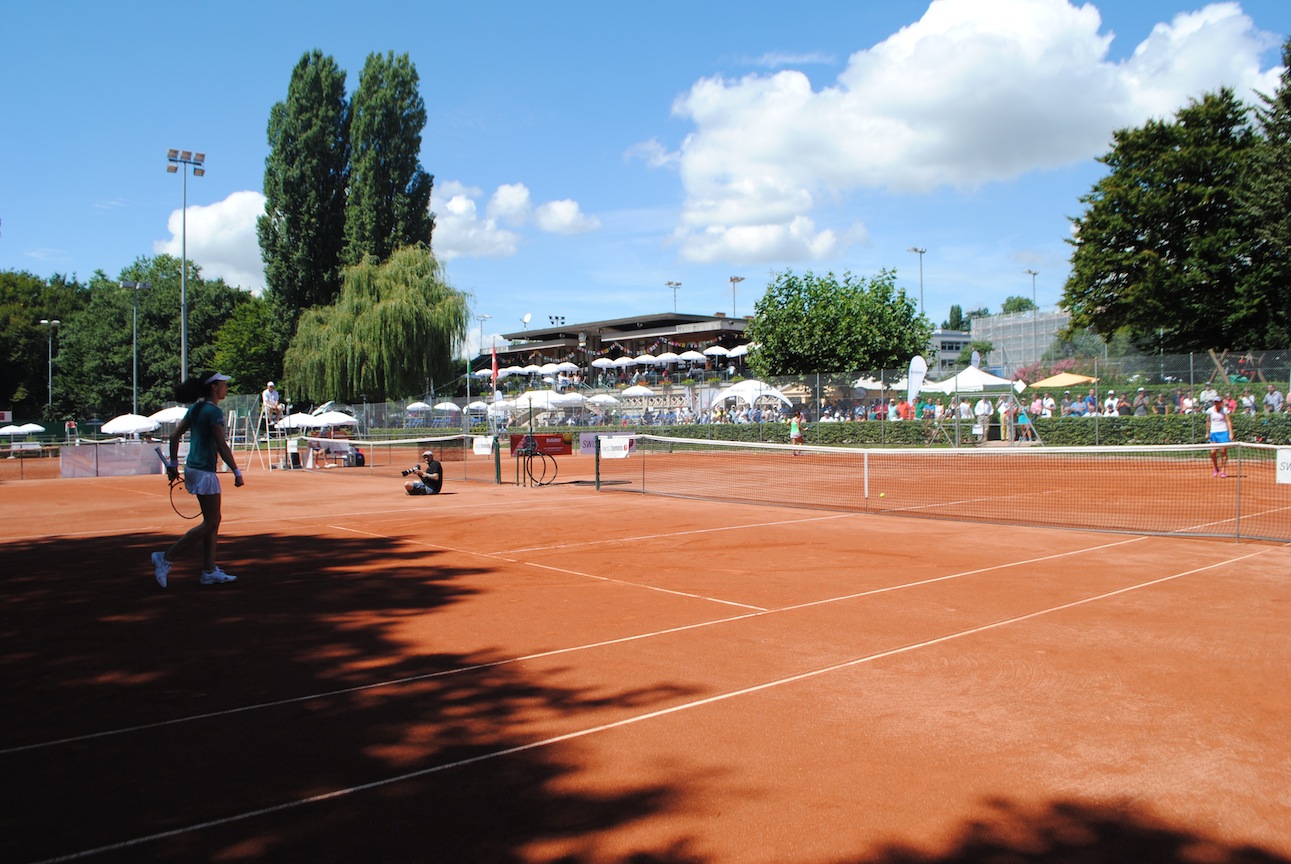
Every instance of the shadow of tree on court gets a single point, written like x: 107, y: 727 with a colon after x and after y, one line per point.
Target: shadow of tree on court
x: 1073, y: 832
x: 90, y: 644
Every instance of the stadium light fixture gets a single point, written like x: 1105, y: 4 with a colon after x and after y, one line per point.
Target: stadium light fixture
x: 135, y: 389
x: 674, y: 286
x: 735, y: 280
x: 52, y: 324
x: 919, y: 250
x: 195, y: 161
x: 1035, y: 315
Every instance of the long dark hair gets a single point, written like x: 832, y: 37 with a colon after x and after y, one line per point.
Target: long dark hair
x: 192, y: 389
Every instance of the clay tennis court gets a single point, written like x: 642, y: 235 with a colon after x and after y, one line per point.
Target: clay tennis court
x: 560, y: 675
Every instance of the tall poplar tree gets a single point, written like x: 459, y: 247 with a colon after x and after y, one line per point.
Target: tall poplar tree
x: 1269, y: 195
x: 389, y: 192
x: 306, y: 174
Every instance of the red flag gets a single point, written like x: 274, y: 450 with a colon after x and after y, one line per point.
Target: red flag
x: 495, y: 365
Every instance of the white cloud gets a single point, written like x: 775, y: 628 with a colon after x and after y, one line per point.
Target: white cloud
x: 221, y: 239
x: 977, y: 91
x: 511, y: 203
x: 460, y: 232
x: 564, y: 217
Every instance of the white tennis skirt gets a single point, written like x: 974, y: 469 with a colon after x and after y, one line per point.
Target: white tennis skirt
x: 199, y: 482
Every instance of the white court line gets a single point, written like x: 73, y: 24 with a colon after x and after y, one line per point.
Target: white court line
x: 671, y: 534
x: 411, y: 679
x: 626, y: 721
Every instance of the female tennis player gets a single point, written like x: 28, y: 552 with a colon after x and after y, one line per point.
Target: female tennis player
x: 1221, y: 432
x: 207, y: 444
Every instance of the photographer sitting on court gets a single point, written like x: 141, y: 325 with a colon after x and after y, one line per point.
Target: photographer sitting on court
x: 430, y: 479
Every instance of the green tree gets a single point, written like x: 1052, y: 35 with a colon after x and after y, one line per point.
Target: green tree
x: 306, y: 174
x: 24, y: 344
x: 395, y: 325
x: 389, y: 192
x: 981, y: 346
x: 808, y: 324
x: 956, y: 321
x: 1017, y: 304
x: 1267, y: 304
x: 980, y: 312
x: 94, y: 374
x: 1165, y: 243
x: 251, y: 344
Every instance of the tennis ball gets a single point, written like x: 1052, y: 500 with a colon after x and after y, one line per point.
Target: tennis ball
x: 883, y: 494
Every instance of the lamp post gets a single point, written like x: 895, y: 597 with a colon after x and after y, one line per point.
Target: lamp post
x: 735, y: 280
x: 482, y: 318
x: 1035, y: 315
x: 135, y: 341
x: 919, y: 250
x: 674, y: 286
x: 196, y: 161
x: 51, y: 324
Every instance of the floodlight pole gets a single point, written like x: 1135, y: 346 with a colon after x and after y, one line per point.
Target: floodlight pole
x: 919, y: 250
x: 735, y: 280
x: 1035, y: 316
x: 134, y: 408
x: 195, y: 161
x: 51, y: 323
x: 674, y: 286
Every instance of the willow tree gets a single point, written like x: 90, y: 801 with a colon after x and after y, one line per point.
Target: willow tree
x: 395, y: 325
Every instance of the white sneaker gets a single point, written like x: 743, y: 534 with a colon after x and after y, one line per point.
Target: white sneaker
x: 217, y: 577
x: 160, y: 567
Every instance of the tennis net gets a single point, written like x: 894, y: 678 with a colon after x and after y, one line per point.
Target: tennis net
x: 1143, y: 490
x: 464, y: 457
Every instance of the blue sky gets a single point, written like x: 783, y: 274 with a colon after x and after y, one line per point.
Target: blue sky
x: 585, y: 153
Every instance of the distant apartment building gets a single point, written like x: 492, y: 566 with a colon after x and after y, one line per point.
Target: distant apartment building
x: 1019, y: 338
x: 944, y: 348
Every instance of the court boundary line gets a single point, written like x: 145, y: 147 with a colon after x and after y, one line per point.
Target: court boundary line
x: 554, y: 652
x: 623, y: 722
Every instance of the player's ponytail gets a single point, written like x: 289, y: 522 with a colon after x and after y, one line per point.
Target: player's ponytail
x: 192, y: 389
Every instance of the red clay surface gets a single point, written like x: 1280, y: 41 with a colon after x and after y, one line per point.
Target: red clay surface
x: 551, y: 674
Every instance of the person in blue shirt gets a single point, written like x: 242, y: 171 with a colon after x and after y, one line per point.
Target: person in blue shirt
x: 207, y: 445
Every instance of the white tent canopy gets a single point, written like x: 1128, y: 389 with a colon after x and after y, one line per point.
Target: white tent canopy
x: 970, y: 380
x: 751, y: 391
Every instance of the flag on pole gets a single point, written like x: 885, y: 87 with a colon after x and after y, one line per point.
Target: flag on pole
x: 495, y: 365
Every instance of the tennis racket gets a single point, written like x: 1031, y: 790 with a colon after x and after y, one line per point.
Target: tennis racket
x: 175, y: 479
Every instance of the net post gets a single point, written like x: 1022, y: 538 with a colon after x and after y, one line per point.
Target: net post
x: 865, y: 477
x: 596, y: 449
x: 497, y: 460
x: 1237, y: 516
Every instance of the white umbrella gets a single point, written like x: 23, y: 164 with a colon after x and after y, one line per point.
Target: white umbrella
x: 503, y: 407
x: 11, y: 429
x: 173, y: 414
x: 667, y: 357
x: 638, y: 390
x: 418, y: 406
x: 738, y: 351
x: 566, y: 366
x: 531, y: 369
x: 299, y: 420
x: 646, y: 360
x: 334, y: 418
x: 447, y: 406
x: 716, y: 351
x: 570, y: 400
x: 486, y: 372
x: 537, y: 399
x: 477, y: 406
x: 625, y: 361
x: 691, y: 355
x: 549, y: 369
x: 129, y: 424
x: 31, y: 427
x: 512, y: 370
x: 603, y: 363
x: 603, y: 399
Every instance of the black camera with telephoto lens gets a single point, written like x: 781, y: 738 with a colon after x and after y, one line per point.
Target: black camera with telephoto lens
x: 413, y: 470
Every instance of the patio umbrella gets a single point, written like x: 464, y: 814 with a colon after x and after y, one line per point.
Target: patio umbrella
x: 418, y: 406
x: 335, y: 418
x: 511, y: 370
x: 566, y: 366
x: 646, y: 360
x: 299, y: 420
x: 477, y: 406
x: 738, y: 351
x: 173, y: 414
x: 716, y: 351
x: 129, y: 424
x: 603, y: 363
x: 537, y: 400
x: 603, y: 399
x: 625, y: 361
x: 11, y: 429
x: 549, y: 369
x: 638, y: 390
x: 30, y: 428
x: 691, y: 356
x: 667, y: 357
x: 447, y: 406
x: 531, y: 369
x: 570, y: 400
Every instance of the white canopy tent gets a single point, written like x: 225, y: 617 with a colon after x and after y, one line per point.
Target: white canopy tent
x: 970, y: 380
x: 751, y: 391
